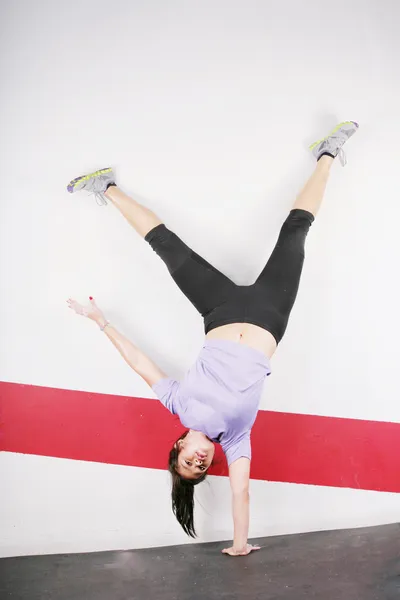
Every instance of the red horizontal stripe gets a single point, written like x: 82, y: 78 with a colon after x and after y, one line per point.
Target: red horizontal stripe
x: 139, y: 432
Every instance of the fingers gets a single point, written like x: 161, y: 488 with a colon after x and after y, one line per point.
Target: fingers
x: 75, y: 306
x: 72, y: 301
x: 229, y: 551
x: 72, y: 304
x: 232, y: 552
x: 245, y: 552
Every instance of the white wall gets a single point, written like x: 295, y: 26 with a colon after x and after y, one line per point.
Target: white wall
x: 54, y: 506
x: 205, y: 110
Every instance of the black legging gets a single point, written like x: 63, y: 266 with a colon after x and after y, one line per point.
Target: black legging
x: 266, y: 303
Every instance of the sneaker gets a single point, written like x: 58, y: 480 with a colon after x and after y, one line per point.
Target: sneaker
x: 333, y: 143
x: 96, y: 183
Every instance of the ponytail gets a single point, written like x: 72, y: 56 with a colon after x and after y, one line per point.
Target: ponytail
x: 182, y: 493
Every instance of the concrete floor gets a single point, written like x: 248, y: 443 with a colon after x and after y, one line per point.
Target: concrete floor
x: 353, y: 564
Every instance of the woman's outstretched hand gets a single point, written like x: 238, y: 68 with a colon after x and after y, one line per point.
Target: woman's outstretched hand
x: 91, y: 311
x: 242, y: 552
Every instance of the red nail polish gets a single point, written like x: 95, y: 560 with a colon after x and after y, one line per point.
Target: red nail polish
x: 90, y: 298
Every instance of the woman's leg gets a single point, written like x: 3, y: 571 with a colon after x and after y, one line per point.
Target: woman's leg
x: 280, y: 278
x: 141, y: 218
x: 202, y: 284
x: 310, y: 198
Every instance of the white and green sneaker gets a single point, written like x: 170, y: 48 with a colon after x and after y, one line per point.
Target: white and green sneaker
x: 332, y: 144
x: 95, y: 183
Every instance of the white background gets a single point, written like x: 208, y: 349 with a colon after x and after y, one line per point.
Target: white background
x: 205, y: 110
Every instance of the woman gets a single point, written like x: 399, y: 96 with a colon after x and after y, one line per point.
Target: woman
x: 219, y: 397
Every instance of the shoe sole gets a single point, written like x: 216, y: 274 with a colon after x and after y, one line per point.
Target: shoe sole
x: 74, y: 182
x: 334, y: 131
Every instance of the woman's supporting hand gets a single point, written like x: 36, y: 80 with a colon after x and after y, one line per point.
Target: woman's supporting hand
x: 91, y: 311
x: 241, y: 551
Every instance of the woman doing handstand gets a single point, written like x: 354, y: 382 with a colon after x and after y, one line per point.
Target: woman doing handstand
x: 218, y: 399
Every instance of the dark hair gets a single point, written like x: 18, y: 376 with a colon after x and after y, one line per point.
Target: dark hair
x: 182, y: 491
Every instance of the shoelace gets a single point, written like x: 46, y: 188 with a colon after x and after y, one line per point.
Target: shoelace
x: 342, y: 157
x: 100, y: 198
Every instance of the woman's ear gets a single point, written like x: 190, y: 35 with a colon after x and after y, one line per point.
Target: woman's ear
x: 178, y: 445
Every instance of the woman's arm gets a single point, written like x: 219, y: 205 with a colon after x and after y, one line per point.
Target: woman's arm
x: 135, y: 358
x: 239, y: 476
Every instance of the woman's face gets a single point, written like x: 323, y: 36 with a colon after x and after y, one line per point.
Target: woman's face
x: 195, y: 455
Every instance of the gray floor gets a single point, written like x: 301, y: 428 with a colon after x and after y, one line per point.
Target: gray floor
x: 354, y: 564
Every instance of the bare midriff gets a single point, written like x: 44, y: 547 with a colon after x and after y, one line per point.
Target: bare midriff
x: 246, y: 333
